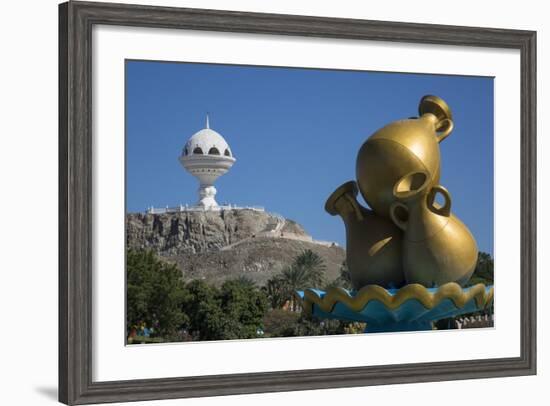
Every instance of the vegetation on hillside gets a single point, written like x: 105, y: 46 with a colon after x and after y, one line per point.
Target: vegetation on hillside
x: 162, y: 306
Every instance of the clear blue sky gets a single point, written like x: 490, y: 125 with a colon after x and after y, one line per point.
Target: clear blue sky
x: 295, y: 134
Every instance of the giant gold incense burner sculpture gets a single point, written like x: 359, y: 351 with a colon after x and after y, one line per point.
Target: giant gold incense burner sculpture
x: 408, y: 257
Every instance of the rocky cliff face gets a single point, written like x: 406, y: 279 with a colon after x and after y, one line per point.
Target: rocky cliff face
x: 220, y: 245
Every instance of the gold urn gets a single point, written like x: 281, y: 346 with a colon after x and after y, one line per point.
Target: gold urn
x: 373, y: 248
x: 437, y: 247
x: 400, y: 148
x: 407, y: 237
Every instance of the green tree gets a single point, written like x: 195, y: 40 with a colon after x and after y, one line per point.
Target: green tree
x: 206, y: 319
x: 154, y: 293
x: 245, y: 280
x: 306, y: 271
x: 313, y: 265
x: 233, y: 311
x: 484, y: 272
x: 276, y: 291
x: 243, y: 306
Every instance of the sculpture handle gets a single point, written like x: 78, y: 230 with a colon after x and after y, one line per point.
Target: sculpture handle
x: 447, y: 125
x: 348, y: 188
x: 395, y: 218
x: 445, y: 210
x: 440, y: 111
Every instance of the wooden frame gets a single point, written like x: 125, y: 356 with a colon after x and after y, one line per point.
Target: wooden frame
x: 75, y: 181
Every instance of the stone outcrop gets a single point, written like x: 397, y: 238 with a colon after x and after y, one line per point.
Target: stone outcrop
x: 216, y: 246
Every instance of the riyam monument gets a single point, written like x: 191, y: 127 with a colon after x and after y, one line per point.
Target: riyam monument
x: 216, y: 242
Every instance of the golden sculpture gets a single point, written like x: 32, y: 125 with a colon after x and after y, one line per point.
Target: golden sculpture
x: 398, y: 172
x: 373, y: 251
x: 437, y: 247
x: 400, y: 148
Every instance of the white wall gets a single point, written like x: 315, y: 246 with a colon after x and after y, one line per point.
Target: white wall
x: 28, y: 204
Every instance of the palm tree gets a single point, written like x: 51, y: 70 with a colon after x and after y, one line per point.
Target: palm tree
x: 306, y: 271
x: 277, y: 292
x: 246, y: 281
x: 313, y: 266
x: 295, y: 277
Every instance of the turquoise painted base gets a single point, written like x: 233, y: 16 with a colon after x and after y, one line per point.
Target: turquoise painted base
x: 411, y: 315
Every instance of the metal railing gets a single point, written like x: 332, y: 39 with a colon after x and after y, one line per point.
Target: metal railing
x: 187, y: 208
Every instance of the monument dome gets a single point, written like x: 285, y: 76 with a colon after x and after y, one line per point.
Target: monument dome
x: 207, y: 142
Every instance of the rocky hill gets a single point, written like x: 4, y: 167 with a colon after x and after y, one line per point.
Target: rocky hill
x: 216, y: 246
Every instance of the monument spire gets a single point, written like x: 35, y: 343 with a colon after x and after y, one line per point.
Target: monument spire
x: 207, y: 121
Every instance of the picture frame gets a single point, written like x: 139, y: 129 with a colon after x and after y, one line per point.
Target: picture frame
x: 76, y: 352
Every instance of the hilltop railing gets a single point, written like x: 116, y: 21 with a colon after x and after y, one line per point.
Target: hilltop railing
x: 187, y: 208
